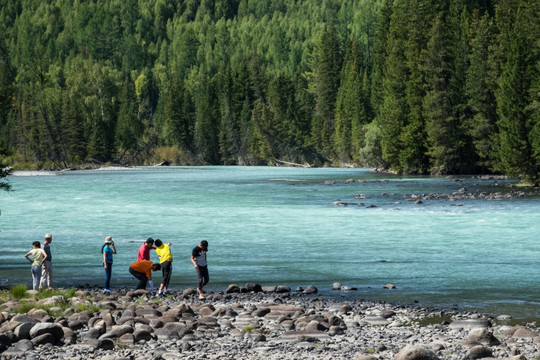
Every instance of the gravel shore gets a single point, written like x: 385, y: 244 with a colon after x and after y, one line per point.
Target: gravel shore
x: 254, y: 322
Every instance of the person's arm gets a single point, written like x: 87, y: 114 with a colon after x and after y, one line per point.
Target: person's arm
x: 113, y: 248
x: 28, y: 254
x: 193, y: 261
x: 105, y: 259
x: 44, y: 257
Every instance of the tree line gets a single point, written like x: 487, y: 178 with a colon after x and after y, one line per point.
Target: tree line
x: 441, y: 87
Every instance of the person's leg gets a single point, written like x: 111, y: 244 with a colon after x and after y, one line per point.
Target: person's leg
x: 49, y: 279
x: 200, y: 281
x: 168, y: 273
x: 36, y: 276
x: 166, y: 267
x: 108, y: 273
x: 43, y: 275
x: 46, y: 275
x: 206, y: 277
x: 140, y: 276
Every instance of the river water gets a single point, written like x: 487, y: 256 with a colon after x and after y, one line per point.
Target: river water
x: 279, y: 225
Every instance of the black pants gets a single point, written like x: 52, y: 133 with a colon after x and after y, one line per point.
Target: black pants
x: 202, y: 274
x: 141, y: 276
x: 166, y: 271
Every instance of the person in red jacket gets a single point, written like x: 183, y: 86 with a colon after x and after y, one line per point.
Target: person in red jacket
x: 142, y: 270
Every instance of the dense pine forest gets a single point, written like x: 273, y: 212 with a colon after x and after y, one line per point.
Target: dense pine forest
x: 411, y: 86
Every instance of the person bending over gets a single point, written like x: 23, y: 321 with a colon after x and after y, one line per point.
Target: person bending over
x: 142, y: 270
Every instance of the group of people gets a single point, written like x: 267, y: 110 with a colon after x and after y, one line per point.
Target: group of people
x: 141, y: 269
x: 41, y: 263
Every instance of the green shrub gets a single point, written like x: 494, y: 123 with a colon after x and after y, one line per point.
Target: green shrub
x: 19, y: 291
x: 84, y: 307
x: 70, y: 293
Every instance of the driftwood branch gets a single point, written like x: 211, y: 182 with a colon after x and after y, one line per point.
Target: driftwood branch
x: 292, y: 164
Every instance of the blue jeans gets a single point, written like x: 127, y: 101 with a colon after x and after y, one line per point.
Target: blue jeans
x: 36, y: 276
x: 108, y: 273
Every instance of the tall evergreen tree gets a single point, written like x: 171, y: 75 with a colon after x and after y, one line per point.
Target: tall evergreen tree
x: 480, y: 92
x: 351, y: 113
x: 393, y: 111
x: 206, y: 127
x: 327, y: 69
x: 441, y: 124
x: 517, y: 127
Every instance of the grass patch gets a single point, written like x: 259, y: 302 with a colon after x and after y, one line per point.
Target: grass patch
x: 85, y: 307
x: 59, y: 309
x: 47, y: 293
x: 249, y: 328
x: 27, y: 301
x: 19, y: 291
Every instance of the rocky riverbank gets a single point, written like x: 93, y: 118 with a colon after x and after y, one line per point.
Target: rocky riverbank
x: 253, y: 322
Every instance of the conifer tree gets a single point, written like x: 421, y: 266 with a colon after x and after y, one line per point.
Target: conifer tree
x: 479, y: 91
x: 351, y: 106
x: 327, y: 70
x: 392, y: 114
x: 206, y: 127
x: 517, y: 127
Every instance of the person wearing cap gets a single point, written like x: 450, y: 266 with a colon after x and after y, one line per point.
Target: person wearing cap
x: 165, y: 260
x: 46, y: 268
x: 198, y: 258
x: 38, y: 256
x: 144, y: 250
x: 108, y: 249
x: 142, y: 270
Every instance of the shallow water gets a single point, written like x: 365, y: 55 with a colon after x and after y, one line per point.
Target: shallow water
x: 277, y: 225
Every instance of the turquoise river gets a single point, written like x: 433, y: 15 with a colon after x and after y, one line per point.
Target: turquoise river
x: 281, y: 226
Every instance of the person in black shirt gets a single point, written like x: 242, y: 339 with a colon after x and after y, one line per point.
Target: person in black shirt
x: 46, y: 272
x: 198, y: 258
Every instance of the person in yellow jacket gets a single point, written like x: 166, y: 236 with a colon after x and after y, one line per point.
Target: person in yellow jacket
x: 142, y: 270
x: 165, y: 260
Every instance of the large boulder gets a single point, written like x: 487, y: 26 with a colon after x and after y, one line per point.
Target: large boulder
x: 232, y: 288
x: 310, y: 290
x: 47, y: 328
x: 23, y: 330
x: 471, y: 324
x: 43, y: 339
x: 253, y: 287
x: 478, y: 352
x: 482, y: 336
x: 5, y: 342
x: 415, y: 352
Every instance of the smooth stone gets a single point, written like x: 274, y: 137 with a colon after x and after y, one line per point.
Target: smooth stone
x: 470, y: 324
x: 47, y: 328
x: 375, y: 320
x: 482, y: 336
x: 415, y: 352
x: 310, y: 290
x: 478, y: 352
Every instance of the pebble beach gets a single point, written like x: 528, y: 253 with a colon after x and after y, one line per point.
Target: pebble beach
x: 254, y: 322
